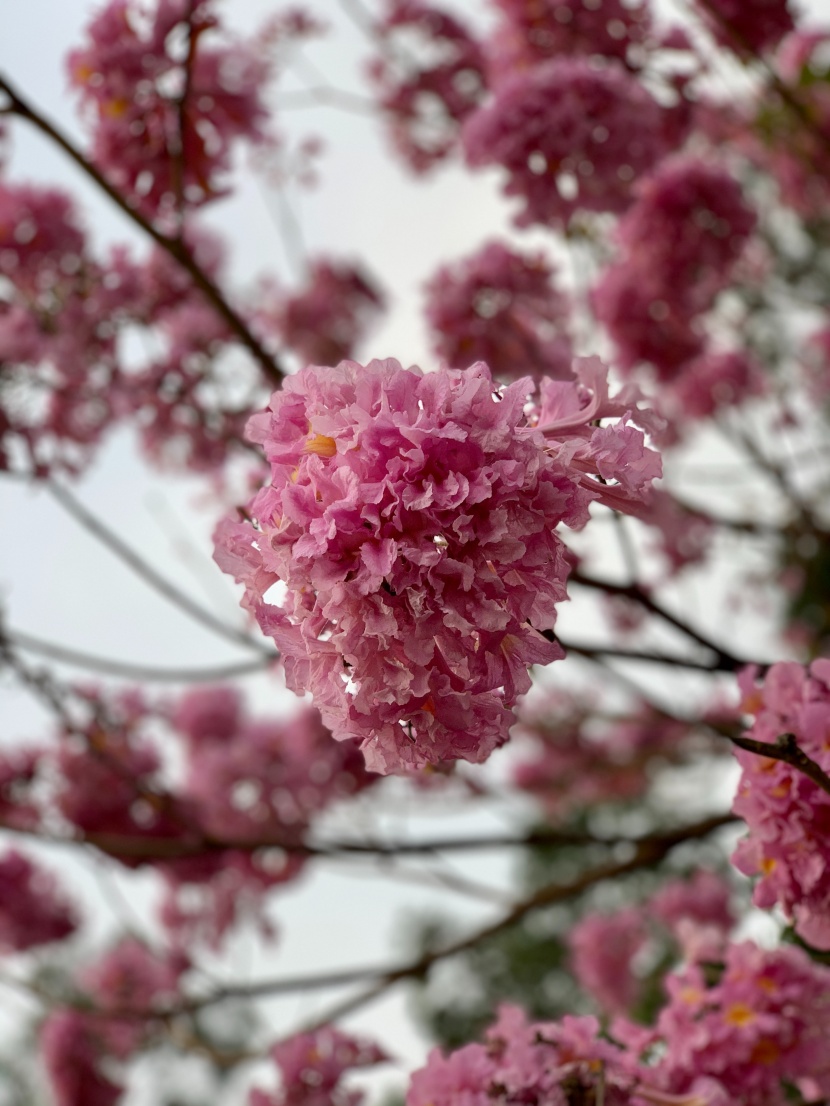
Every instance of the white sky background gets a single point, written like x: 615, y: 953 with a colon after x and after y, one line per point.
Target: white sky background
x: 57, y: 583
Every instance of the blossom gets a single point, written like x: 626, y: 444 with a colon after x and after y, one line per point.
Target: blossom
x: 568, y: 763
x: 502, y: 307
x: 56, y: 332
x: 570, y: 135
x: 78, y: 1048
x: 679, y: 244
x: 163, y: 119
x: 531, y: 31
x: 412, y: 519
x: 714, y: 380
x: 323, y: 322
x: 426, y: 92
x: 312, y: 1065
x: 765, y: 1020
x: 749, y: 27
x: 527, y: 1063
x: 788, y: 815
x: 602, y: 948
x: 32, y: 912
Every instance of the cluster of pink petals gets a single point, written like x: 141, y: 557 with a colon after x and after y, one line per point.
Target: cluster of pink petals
x: 220, y: 819
x: 412, y: 519
x: 64, y: 322
x: 788, y: 815
x: 749, y: 27
x: 430, y: 87
x: 79, y: 1048
x: 695, y: 913
x: 679, y: 245
x: 528, y: 1063
x: 765, y: 1021
x: 324, y: 321
x: 502, y: 307
x: 57, y: 339
x: 163, y: 107
x: 312, y: 1066
x: 32, y: 911
x: 716, y: 379
x: 574, y: 764
x: 256, y: 783
x: 761, y: 1027
x: 572, y: 137
x: 531, y: 31
x: 602, y: 947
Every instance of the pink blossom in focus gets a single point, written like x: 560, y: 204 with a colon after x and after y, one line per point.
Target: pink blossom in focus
x: 502, y: 307
x: 412, y: 518
x: 431, y: 86
x: 572, y: 137
x: 788, y: 816
x: 765, y: 1020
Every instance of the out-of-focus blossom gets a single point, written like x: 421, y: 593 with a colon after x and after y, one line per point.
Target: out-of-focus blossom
x: 572, y: 137
x: 430, y: 77
x: 502, y: 307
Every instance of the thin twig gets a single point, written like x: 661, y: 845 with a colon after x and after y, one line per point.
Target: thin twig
x: 148, y: 574
x: 787, y: 750
x: 134, y: 671
x: 726, y: 662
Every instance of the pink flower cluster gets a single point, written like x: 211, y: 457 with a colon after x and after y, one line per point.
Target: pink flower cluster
x: 57, y: 332
x: 502, y: 307
x: 32, y: 912
x: 749, y: 27
x: 165, y: 109
x: 531, y: 31
x: 693, y: 913
x: 324, y: 321
x: 764, y: 1024
x: 312, y: 1066
x: 79, y: 1048
x: 572, y: 136
x: 761, y: 1028
x: 412, y: 520
x: 221, y: 819
x: 249, y: 781
x: 788, y: 815
x: 428, y: 88
x: 679, y: 243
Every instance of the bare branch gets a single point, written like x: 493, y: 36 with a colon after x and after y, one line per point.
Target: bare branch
x: 148, y: 574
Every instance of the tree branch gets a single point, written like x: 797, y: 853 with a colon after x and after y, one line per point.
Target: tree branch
x: 174, y: 246
x: 148, y: 574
